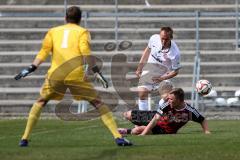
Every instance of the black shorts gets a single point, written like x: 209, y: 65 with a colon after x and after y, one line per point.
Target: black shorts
x: 158, y: 130
x: 142, y: 118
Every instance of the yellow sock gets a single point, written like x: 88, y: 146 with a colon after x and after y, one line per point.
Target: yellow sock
x: 32, y: 119
x: 107, y: 118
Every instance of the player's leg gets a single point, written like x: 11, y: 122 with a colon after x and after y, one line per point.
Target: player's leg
x: 33, y: 117
x: 151, y: 126
x: 128, y: 116
x: 138, y: 130
x: 47, y: 93
x: 124, y: 131
x: 85, y: 90
x: 134, y: 131
x: 107, y: 118
x: 139, y: 118
x: 143, y: 96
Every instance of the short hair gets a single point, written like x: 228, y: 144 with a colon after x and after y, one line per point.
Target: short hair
x: 169, y: 31
x: 164, y: 88
x: 73, y: 15
x: 178, y: 93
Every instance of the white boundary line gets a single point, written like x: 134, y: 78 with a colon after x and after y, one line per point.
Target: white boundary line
x: 54, y: 130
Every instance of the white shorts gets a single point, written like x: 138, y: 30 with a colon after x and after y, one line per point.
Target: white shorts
x: 157, y: 86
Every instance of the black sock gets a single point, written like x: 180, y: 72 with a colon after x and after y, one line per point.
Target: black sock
x: 129, y: 131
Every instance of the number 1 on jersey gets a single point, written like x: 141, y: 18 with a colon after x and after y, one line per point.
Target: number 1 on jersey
x: 65, y: 39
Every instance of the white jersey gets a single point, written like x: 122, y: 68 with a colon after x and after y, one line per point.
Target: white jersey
x: 159, y: 62
x: 170, y: 58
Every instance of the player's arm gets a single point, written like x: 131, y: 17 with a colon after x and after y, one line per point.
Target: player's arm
x: 31, y: 68
x: 84, y: 46
x: 174, y: 70
x: 151, y: 125
x: 91, y: 61
x: 166, y: 76
x: 197, y: 117
x: 99, y: 76
x: 205, y: 128
x: 41, y: 56
x: 143, y: 61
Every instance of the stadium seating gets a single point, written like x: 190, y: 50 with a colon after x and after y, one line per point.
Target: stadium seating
x: 20, y: 39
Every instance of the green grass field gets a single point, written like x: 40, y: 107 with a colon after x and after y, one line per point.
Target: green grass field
x: 61, y: 140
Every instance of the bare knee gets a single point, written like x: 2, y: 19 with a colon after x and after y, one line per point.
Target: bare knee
x: 137, y: 130
x: 143, y: 93
x: 42, y: 102
x: 97, y: 103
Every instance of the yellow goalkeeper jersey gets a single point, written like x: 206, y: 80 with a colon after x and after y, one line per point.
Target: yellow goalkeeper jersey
x: 65, y: 43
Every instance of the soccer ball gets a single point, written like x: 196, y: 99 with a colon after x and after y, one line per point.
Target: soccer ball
x: 203, y: 87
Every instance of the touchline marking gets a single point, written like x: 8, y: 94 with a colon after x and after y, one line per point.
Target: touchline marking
x: 49, y: 131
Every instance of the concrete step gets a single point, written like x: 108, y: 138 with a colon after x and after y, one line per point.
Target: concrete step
x: 23, y: 106
x: 217, y: 80
x: 132, y: 56
x: 124, y: 94
x: 98, y: 45
x: 126, y: 33
x: 106, y: 2
x: 33, y: 93
x: 30, y: 93
x: 121, y: 8
x: 124, y: 22
x: 187, y: 67
x: 186, y: 56
x: 221, y: 79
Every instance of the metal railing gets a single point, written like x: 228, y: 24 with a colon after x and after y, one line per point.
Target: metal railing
x: 197, y: 15
x: 237, y: 24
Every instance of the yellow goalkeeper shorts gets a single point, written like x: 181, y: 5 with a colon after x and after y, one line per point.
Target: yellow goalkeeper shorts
x: 80, y: 90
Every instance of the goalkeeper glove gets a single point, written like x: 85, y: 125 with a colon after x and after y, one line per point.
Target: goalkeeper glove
x: 25, y: 72
x: 99, y: 76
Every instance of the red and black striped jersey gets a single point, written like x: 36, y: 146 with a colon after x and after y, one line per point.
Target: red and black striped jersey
x: 173, y: 119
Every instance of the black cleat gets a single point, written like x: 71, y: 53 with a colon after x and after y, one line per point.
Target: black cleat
x: 123, y: 142
x: 23, y: 143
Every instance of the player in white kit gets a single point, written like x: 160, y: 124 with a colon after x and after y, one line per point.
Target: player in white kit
x: 159, y: 63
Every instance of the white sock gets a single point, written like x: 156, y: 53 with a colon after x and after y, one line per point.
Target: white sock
x: 160, y: 103
x: 143, y: 105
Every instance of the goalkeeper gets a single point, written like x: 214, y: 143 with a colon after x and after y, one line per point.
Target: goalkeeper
x: 69, y: 46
